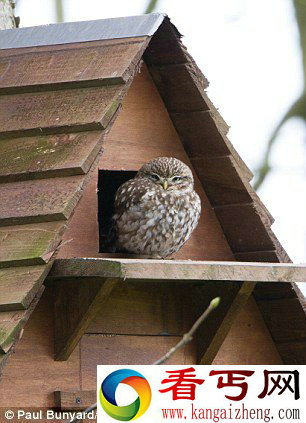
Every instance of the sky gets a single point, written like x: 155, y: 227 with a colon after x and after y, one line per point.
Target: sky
x: 249, y: 51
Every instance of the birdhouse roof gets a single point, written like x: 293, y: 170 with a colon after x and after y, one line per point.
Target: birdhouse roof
x: 61, y: 89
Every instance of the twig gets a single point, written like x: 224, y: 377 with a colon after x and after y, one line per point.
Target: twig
x: 189, y: 335
x: 184, y: 341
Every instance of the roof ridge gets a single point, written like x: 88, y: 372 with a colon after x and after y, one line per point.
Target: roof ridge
x: 82, y: 31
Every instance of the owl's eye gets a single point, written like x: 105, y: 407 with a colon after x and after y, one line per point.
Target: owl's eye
x: 177, y: 179
x: 154, y: 177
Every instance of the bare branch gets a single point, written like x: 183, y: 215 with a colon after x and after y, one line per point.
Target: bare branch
x: 184, y: 341
x: 298, y: 109
x: 189, y: 335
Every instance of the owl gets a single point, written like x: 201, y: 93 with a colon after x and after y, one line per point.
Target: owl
x: 157, y: 210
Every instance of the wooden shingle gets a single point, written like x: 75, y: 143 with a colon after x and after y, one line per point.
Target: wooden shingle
x: 29, y: 244
x: 55, y: 104
x: 107, y: 63
x: 47, y: 156
x: 58, y: 111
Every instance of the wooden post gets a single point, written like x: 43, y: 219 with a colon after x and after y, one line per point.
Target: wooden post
x: 76, y: 303
x: 221, y: 327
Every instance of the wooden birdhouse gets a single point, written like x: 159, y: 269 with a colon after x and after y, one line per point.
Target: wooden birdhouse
x: 82, y: 107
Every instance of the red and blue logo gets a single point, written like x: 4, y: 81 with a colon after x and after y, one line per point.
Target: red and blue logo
x: 133, y: 379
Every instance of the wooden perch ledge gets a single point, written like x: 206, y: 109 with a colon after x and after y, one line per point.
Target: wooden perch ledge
x: 140, y: 269
x: 83, y: 285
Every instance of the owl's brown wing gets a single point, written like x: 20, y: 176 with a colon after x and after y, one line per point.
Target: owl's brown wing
x: 127, y: 195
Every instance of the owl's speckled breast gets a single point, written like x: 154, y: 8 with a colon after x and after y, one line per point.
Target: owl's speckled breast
x: 158, y: 222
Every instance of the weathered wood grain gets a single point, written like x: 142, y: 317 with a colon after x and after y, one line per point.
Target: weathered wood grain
x: 87, y: 66
x: 222, y: 180
x: 203, y: 134
x: 274, y: 291
x: 48, y: 155
x: 18, y: 286
x: 248, y: 341
x: 236, y: 221
x: 26, y: 245
x: 74, y: 400
x: 200, y: 134
x: 146, y: 309
x: 255, y: 256
x: 58, y: 111
x: 39, y: 200
x: 140, y: 269
x: 76, y: 304
x: 225, y: 184
x: 12, y: 322
x: 181, y: 87
x: 70, y: 46
x: 293, y: 352
x: 31, y: 367
x: 284, y: 327
x: 128, y: 350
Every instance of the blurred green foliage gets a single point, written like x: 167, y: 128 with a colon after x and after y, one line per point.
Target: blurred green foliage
x: 151, y: 6
x: 298, y: 108
x: 59, y: 11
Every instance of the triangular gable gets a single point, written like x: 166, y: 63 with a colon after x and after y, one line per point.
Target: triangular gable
x: 57, y: 104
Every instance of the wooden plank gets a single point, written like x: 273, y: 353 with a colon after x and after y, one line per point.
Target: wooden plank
x: 12, y: 322
x: 225, y: 184
x: 81, y: 67
x: 18, y: 286
x: 203, y: 134
x: 284, y: 327
x: 48, y: 155
x: 148, y: 269
x: 31, y: 372
x: 236, y: 221
x: 200, y: 134
x: 146, y: 309
x: 221, y: 180
x: 76, y: 304
x: 222, y: 324
x: 181, y: 87
x: 58, y: 111
x: 74, y: 400
x: 248, y: 341
x: 29, y: 244
x: 293, y: 352
x: 128, y: 350
x: 273, y: 291
x: 39, y: 200
x: 269, y: 256
x: 70, y: 46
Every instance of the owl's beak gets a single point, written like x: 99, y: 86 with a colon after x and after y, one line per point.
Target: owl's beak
x: 165, y: 184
